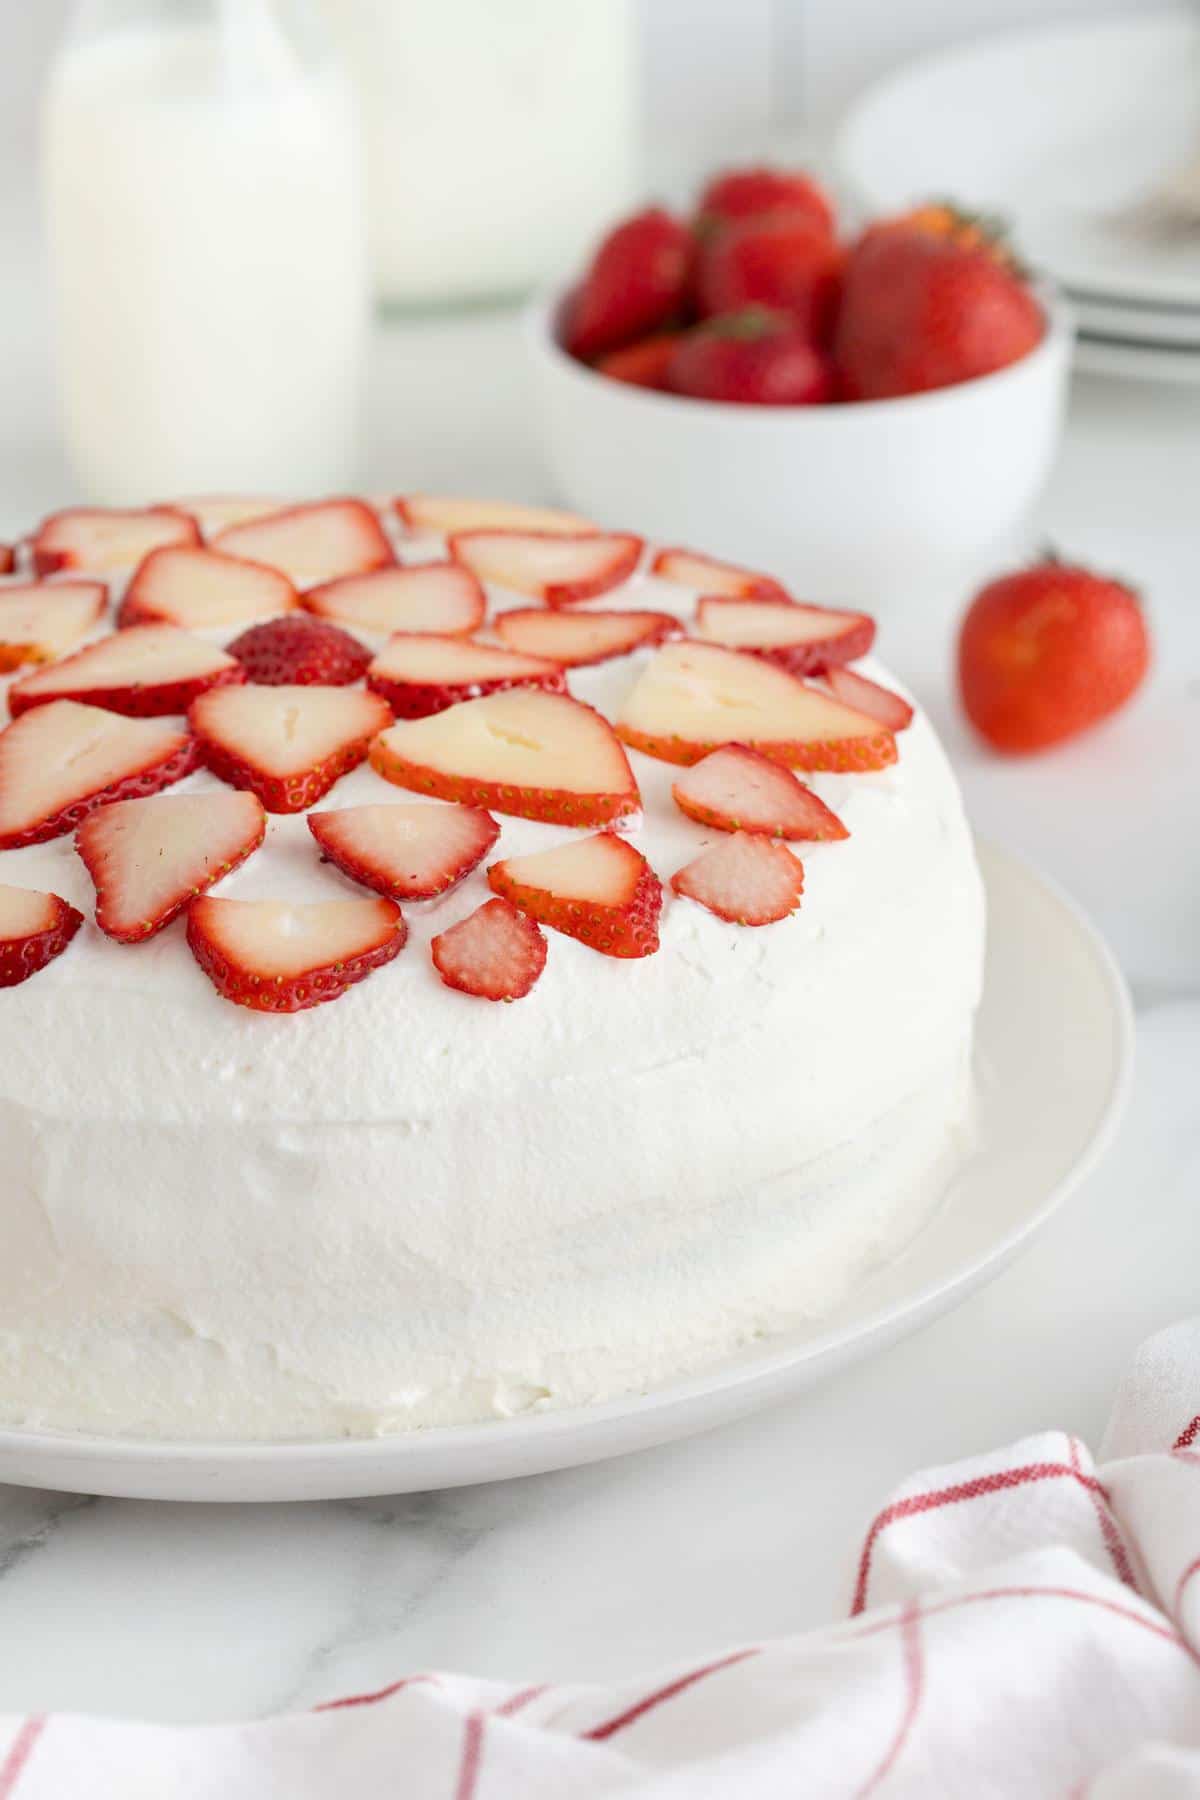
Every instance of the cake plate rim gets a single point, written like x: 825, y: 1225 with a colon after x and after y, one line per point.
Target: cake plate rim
x: 1072, y: 1059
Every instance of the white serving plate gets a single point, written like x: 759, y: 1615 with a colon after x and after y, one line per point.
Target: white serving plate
x: 1058, y: 128
x: 1054, y: 1054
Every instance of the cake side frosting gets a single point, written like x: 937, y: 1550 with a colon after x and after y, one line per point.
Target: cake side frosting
x: 409, y: 1208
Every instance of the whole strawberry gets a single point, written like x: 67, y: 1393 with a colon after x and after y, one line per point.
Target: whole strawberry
x: 644, y: 363
x: 636, y: 283
x: 1048, y: 652
x: 750, y: 193
x: 300, y: 651
x: 928, y: 301
x: 754, y: 358
x: 787, y: 261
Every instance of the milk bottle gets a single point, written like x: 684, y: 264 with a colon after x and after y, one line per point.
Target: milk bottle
x: 207, y: 238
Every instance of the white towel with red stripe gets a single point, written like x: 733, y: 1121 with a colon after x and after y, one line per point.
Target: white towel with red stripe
x: 1025, y: 1624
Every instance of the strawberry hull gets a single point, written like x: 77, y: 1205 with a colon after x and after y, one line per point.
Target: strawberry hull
x: 152, y: 701
x: 150, y: 780
x: 22, y: 957
x: 418, y: 700
x: 837, y: 756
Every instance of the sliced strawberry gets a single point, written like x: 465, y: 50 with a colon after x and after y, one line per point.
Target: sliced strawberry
x: 746, y: 879
x: 598, y: 889
x: 711, y: 577
x: 40, y: 620
x: 555, y: 568
x: 442, y: 597
x: 300, y: 651
x: 102, y: 540
x: 444, y: 514
x: 288, y: 745
x: 202, y: 589
x: 214, y: 512
x: 692, y: 698
x: 737, y: 789
x: 804, y: 639
x: 8, y: 559
x: 408, y: 852
x: 421, y: 674
x: 316, y: 542
x: 145, y: 672
x: 148, y: 858
x: 538, y: 755
x: 576, y: 639
x: 61, y: 761
x: 495, y: 953
x: 34, y: 929
x: 283, y: 959
x: 868, y: 697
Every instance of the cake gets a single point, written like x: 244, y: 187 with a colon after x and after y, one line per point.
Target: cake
x: 404, y: 1204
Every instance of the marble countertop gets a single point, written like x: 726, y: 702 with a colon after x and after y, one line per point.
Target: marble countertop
x: 197, y: 1613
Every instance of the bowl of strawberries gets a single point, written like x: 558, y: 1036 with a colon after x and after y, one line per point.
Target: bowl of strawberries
x: 867, y: 411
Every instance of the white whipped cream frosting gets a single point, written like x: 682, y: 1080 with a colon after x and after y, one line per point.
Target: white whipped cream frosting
x: 409, y: 1207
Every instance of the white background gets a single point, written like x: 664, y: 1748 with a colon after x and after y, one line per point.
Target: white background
x: 737, y: 65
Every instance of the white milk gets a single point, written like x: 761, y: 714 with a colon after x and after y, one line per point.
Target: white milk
x: 500, y: 137
x: 208, y: 247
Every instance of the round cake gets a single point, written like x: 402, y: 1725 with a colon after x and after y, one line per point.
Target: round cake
x: 296, y: 1170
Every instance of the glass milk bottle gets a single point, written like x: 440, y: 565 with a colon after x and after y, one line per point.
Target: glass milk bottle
x: 500, y: 138
x: 207, y: 237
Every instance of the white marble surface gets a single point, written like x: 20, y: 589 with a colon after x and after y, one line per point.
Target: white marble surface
x: 192, y: 1613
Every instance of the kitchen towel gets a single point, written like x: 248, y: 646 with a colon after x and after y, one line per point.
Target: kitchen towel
x: 1024, y: 1623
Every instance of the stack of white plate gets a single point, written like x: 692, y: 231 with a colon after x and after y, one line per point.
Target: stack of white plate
x: 1066, y: 133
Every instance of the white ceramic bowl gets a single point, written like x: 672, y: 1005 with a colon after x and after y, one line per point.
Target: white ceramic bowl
x: 856, y: 503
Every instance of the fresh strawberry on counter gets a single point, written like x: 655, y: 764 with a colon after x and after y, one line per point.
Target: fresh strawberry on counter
x: 1048, y: 652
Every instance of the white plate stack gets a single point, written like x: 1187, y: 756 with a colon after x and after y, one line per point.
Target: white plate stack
x: 1072, y: 136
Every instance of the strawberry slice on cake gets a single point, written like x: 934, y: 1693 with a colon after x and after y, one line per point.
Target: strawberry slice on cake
x: 145, y: 672
x: 870, y: 697
x: 804, y: 639
x: 549, y: 566
x: 693, y: 698
x: 405, y: 852
x: 709, y: 576
x: 443, y: 514
x: 8, y: 559
x: 213, y: 512
x: 597, y: 889
x: 745, y: 879
x: 107, y: 540
x: 279, y: 958
x: 525, y: 751
x: 312, y: 543
x: 288, y: 745
x: 201, y: 590
x: 442, y: 597
x: 61, y: 761
x: 40, y: 620
x: 495, y: 953
x: 738, y: 789
x: 301, y: 651
x: 34, y: 929
x: 149, y: 858
x: 576, y: 639
x: 418, y: 674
